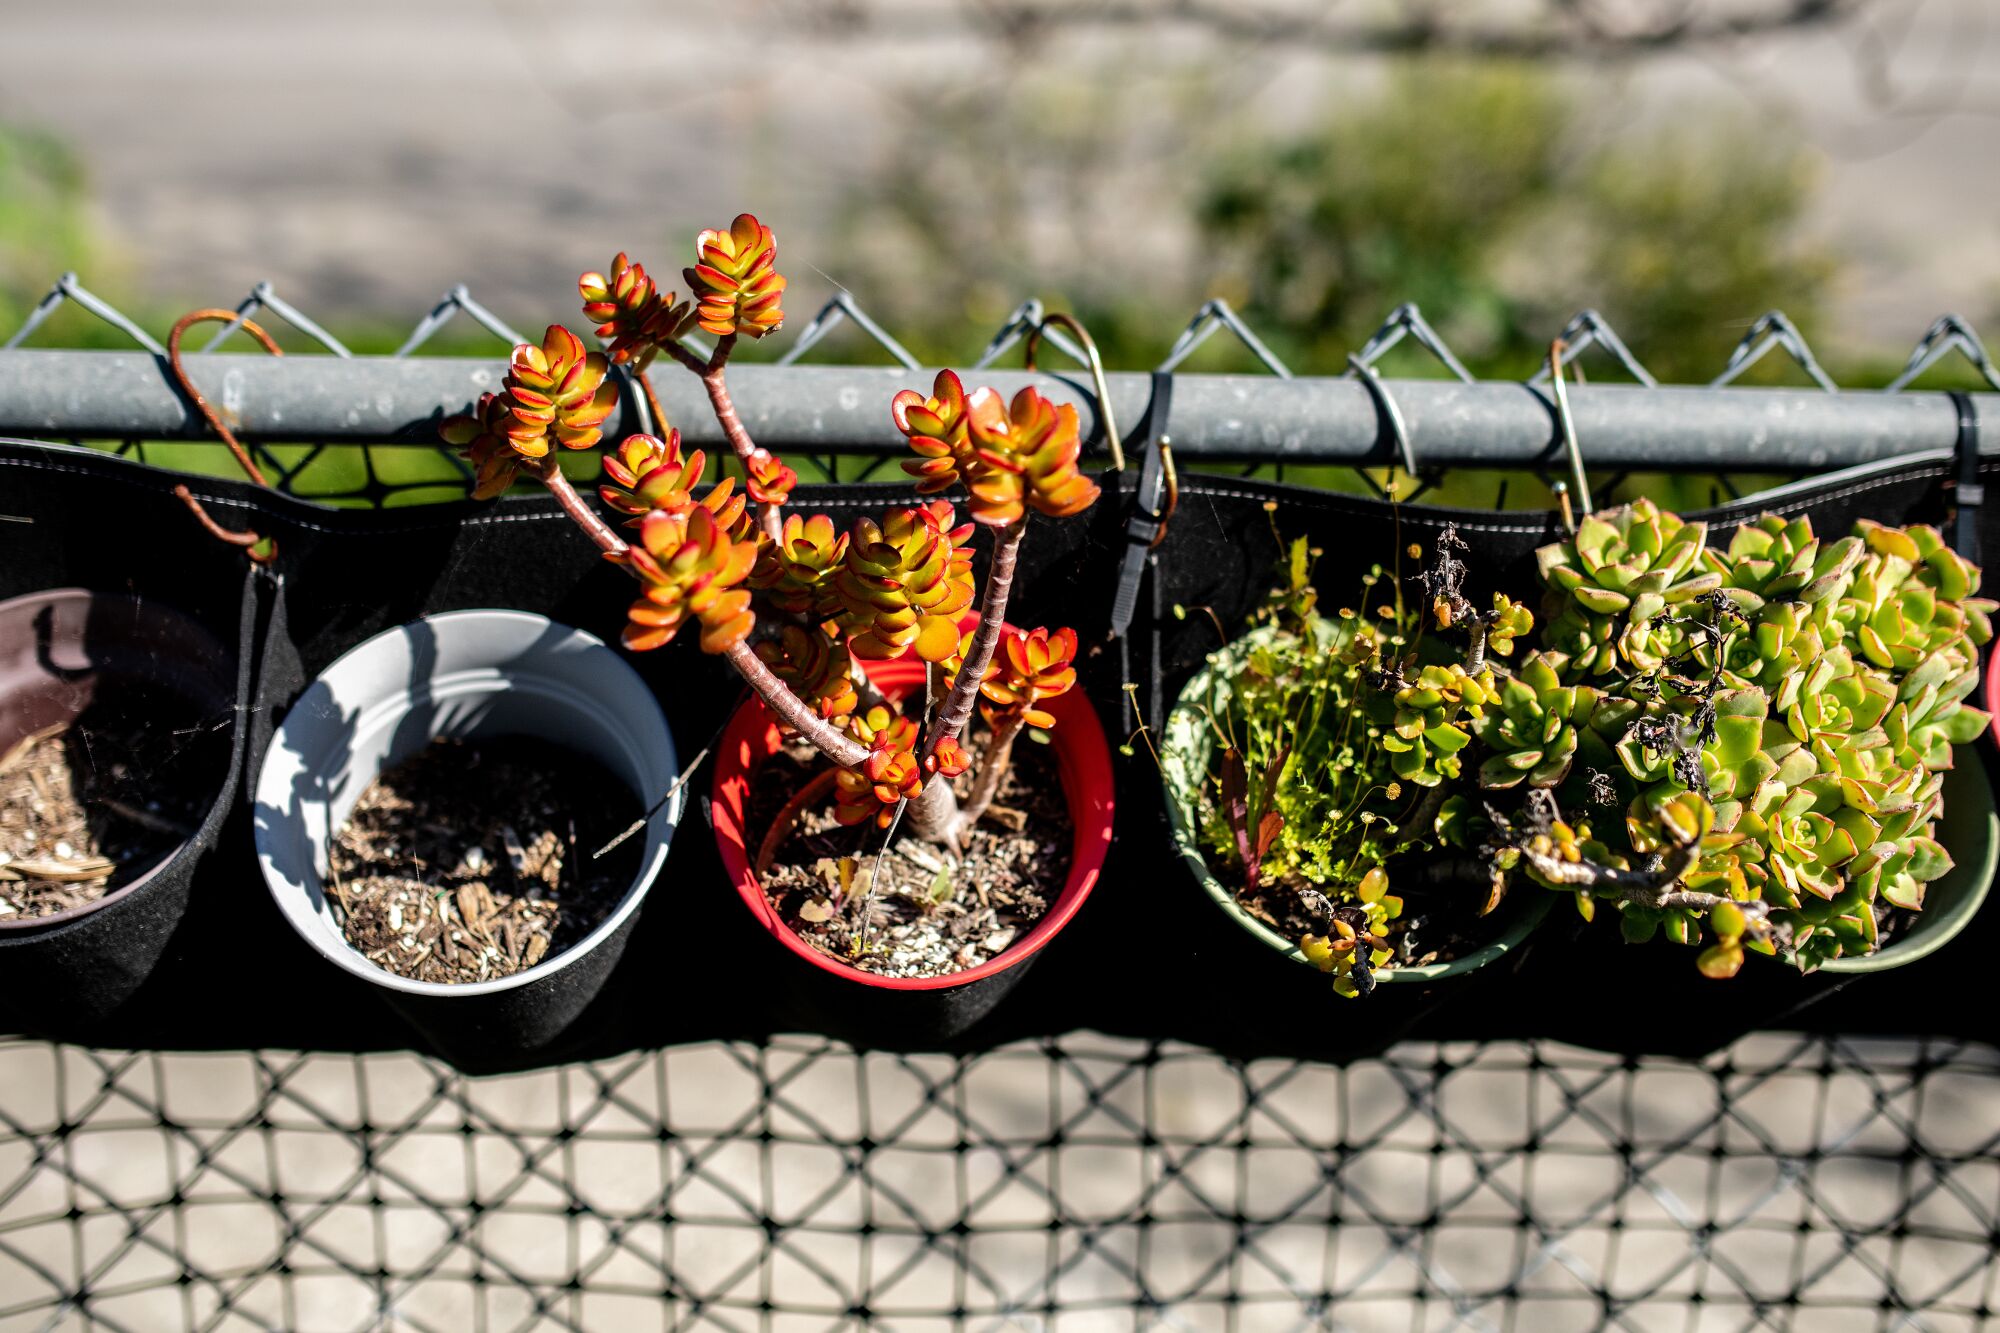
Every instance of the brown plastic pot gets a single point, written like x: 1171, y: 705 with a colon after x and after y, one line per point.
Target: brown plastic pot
x: 58, y: 650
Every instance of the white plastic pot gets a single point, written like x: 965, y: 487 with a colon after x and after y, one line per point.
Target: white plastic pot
x: 461, y: 674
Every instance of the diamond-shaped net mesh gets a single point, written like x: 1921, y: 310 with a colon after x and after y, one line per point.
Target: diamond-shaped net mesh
x: 1088, y: 1182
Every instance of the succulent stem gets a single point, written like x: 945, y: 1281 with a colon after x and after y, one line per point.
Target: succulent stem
x: 951, y: 719
x: 713, y: 380
x: 1644, y: 888
x: 992, y: 768
x: 573, y: 504
x: 934, y: 814
x: 796, y: 713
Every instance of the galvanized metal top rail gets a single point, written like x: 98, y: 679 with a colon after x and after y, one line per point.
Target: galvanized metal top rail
x: 829, y: 410
x: 844, y: 409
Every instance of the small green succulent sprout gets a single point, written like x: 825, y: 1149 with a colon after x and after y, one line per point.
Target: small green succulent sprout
x: 1433, y: 722
x: 1929, y: 715
x: 1732, y: 928
x: 1838, y: 700
x: 1507, y: 622
x: 1533, y: 731
x: 1612, y: 583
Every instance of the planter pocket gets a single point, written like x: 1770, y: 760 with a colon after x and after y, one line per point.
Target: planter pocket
x: 66, y: 973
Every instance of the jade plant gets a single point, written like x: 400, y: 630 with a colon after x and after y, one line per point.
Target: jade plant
x: 795, y: 604
x: 1775, y: 717
x: 1342, y: 747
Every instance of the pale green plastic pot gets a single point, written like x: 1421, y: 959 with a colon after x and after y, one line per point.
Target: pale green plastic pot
x: 1970, y: 831
x: 1185, y: 752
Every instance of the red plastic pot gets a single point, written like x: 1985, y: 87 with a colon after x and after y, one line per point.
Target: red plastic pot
x: 1993, y: 687
x: 875, y: 1007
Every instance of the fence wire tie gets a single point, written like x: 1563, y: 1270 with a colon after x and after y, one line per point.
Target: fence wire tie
x: 1391, y: 414
x: 1947, y: 333
x: 840, y: 310
x: 1407, y: 321
x: 1098, y: 383
x: 457, y: 299
x: 1218, y: 314
x: 1566, y: 423
x: 1587, y: 328
x: 67, y: 288
x: 264, y: 297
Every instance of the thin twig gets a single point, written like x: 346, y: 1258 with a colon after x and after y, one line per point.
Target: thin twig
x: 658, y: 805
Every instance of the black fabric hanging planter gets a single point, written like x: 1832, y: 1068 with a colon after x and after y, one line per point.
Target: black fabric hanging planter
x: 69, y: 655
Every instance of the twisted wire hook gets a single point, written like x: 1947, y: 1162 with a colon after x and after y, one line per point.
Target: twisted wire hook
x: 1098, y: 383
x: 248, y: 540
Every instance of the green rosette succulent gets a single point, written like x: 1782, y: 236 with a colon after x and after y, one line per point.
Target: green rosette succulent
x: 1787, y: 743
x: 1929, y: 715
x: 1532, y: 731
x: 1611, y: 585
x: 1910, y: 596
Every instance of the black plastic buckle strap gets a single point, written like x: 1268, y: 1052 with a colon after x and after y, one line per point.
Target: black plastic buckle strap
x: 1142, y: 529
x: 1970, y: 492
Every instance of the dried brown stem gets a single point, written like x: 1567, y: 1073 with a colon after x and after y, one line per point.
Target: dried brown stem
x: 249, y: 541
x: 1646, y: 888
x: 658, y: 413
x: 992, y: 768
x: 201, y: 403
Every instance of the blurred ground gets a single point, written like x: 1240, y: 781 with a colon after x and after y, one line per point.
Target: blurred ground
x: 364, y: 156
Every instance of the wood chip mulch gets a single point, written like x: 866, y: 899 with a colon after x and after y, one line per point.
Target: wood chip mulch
x: 473, y: 860
x: 90, y: 805
x: 929, y: 915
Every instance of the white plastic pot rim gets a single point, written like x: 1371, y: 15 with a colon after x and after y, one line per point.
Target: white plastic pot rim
x: 460, y: 673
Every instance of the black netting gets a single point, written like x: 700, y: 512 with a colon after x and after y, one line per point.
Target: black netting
x: 1088, y: 1182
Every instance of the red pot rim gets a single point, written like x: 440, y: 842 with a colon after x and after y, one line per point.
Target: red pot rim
x: 1993, y: 687
x: 1082, y: 756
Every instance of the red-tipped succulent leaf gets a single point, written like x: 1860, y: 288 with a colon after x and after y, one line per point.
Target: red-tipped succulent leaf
x: 630, y: 310
x: 688, y: 567
x: 482, y: 434
x: 937, y: 432
x: 735, y: 280
x: 1029, y: 668
x: 906, y: 582
x: 1026, y: 454
x: 557, y: 390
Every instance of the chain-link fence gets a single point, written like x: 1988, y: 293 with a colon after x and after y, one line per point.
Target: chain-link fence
x: 1080, y: 1181
x: 361, y: 430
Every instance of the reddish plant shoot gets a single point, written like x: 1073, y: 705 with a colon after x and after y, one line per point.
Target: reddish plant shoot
x: 901, y: 584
